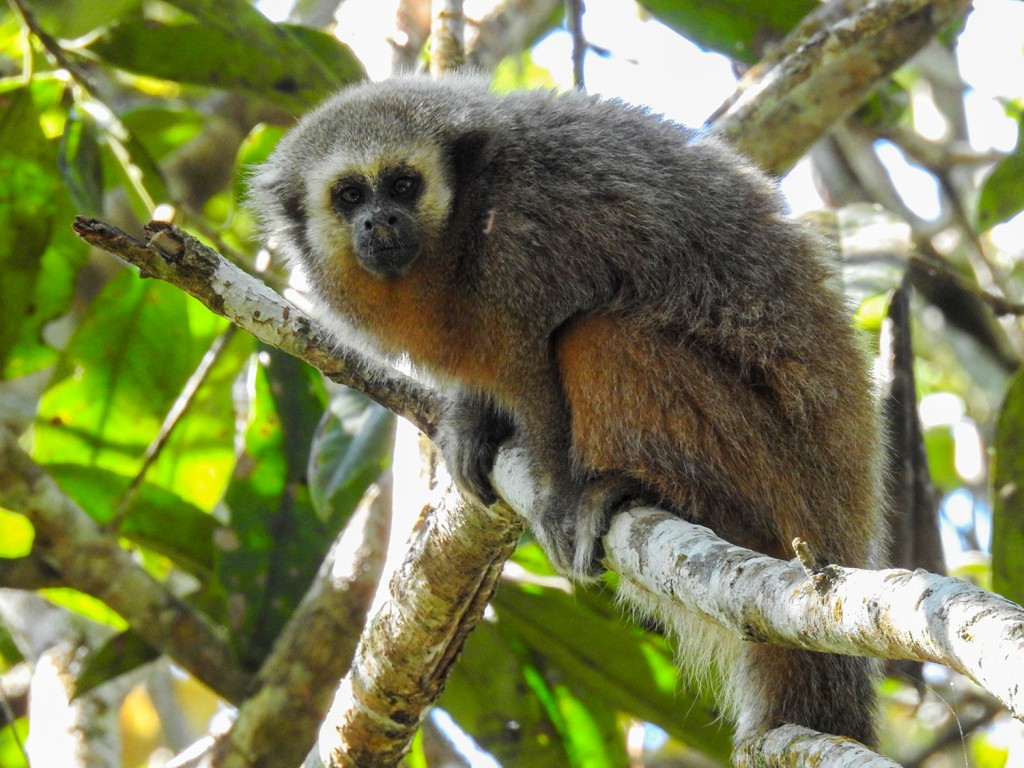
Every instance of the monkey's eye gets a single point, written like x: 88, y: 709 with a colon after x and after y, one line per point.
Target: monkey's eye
x: 347, y: 196
x: 404, y: 186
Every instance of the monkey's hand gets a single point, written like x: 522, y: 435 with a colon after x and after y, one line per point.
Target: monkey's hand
x: 469, y: 434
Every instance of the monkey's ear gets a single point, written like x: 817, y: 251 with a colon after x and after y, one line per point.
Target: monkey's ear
x: 471, y: 153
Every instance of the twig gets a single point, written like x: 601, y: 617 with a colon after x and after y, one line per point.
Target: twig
x: 574, y: 18
x: 178, y: 409
x: 936, y: 268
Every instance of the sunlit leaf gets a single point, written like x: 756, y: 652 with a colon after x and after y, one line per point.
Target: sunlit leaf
x: 38, y: 254
x: 293, y: 66
x: 123, y: 369
x: 12, y: 741
x: 735, y: 28
x: 16, y: 534
x: 156, y: 518
x: 84, y: 605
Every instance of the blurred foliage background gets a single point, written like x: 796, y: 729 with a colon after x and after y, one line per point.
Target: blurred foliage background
x: 226, y: 469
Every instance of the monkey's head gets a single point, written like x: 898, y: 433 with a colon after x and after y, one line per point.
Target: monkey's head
x: 360, y: 193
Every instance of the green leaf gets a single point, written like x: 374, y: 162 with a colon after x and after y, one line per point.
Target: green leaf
x: 155, y: 518
x: 254, y: 150
x: 593, y: 738
x: 352, y: 447
x: 12, y: 740
x: 1002, y: 194
x: 85, y: 605
x: 123, y: 369
x: 738, y: 29
x: 81, y: 165
x: 621, y: 664
x: 233, y: 47
x: 490, y: 697
x: 74, y: 18
x: 941, y: 449
x: 16, y: 534
x: 275, y: 541
x: 121, y: 654
x: 1008, y: 496
x: 164, y: 128
x: 39, y: 257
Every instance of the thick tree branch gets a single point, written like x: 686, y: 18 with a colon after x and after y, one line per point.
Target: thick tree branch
x: 91, y: 560
x: 823, y: 71
x: 792, y: 745
x: 892, y: 614
x: 435, y: 599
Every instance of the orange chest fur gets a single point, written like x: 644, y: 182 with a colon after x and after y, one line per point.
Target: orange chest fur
x: 436, y: 328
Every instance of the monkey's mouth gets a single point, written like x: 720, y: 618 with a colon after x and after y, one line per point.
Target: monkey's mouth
x: 393, y: 260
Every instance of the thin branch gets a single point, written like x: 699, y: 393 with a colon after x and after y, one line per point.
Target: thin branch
x: 448, y: 37
x: 508, y: 29
x: 174, y: 415
x: 91, y: 560
x: 940, y: 269
x: 574, y: 19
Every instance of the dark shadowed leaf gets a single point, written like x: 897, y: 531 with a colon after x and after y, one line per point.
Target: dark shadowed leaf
x: 120, y: 654
x: 1008, y: 496
x: 81, y: 164
x: 352, y: 447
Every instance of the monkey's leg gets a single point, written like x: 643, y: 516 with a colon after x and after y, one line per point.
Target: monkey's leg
x: 529, y: 407
x: 471, y: 430
x: 684, y: 425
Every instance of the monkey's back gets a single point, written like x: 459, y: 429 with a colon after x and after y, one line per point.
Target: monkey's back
x: 701, y: 346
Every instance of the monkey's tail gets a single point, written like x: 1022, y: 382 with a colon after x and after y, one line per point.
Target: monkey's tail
x: 772, y: 685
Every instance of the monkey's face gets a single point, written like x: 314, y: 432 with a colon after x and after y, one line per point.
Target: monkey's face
x: 380, y: 214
